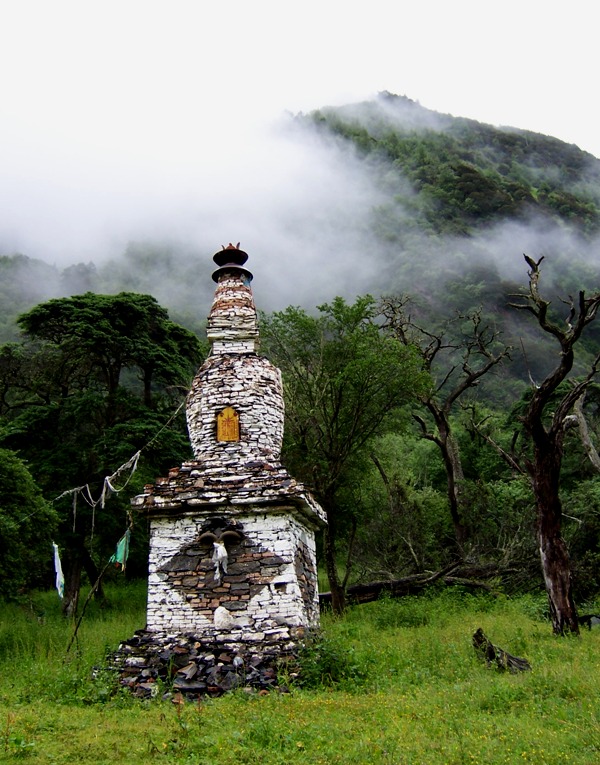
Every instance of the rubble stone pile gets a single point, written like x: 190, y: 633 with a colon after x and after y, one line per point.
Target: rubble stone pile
x: 153, y: 665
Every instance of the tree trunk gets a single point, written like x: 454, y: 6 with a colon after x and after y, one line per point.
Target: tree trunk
x: 584, y: 433
x: 455, y: 481
x: 548, y: 443
x: 72, y: 567
x: 554, y: 556
x: 147, y: 381
x: 448, y: 446
x: 93, y: 574
x: 338, y: 595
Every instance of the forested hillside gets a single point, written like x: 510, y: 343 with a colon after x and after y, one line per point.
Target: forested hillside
x: 463, y: 200
x: 460, y: 175
x: 454, y: 205
x: 501, y: 350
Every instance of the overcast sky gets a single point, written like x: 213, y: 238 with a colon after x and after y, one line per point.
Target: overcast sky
x: 123, y: 120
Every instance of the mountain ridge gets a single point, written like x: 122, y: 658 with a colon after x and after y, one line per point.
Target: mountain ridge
x: 458, y: 202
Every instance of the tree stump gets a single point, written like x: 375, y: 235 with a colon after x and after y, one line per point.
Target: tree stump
x: 491, y: 653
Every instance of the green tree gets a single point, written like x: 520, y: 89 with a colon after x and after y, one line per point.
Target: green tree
x: 27, y: 523
x: 94, y: 380
x: 103, y: 335
x: 406, y: 526
x: 343, y: 381
x: 457, y: 365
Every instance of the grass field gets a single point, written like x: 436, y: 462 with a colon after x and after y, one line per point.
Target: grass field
x: 392, y: 682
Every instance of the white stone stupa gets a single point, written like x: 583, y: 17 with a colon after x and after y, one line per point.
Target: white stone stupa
x: 232, y: 534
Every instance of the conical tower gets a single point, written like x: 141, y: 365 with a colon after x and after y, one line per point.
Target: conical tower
x: 237, y: 386
x: 232, y: 534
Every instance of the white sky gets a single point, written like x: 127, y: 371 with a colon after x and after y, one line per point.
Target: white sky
x: 119, y: 119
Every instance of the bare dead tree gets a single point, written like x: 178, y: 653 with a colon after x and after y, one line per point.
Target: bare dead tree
x: 584, y: 432
x: 545, y: 426
x: 478, y: 352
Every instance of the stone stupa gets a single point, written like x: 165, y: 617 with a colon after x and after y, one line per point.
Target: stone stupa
x: 232, y: 567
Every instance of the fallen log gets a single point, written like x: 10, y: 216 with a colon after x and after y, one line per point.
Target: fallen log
x: 408, y: 585
x: 468, y: 576
x: 588, y: 620
x: 491, y: 653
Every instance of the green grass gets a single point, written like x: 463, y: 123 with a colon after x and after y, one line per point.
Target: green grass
x: 392, y: 682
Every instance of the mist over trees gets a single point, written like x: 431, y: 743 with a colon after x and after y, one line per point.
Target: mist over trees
x: 389, y: 197
x: 440, y: 213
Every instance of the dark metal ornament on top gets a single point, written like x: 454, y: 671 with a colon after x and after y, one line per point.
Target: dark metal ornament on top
x: 231, y: 260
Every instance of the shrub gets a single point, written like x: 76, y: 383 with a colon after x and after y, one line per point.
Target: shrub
x: 325, y: 662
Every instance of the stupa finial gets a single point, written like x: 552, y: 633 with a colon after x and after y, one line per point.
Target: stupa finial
x: 230, y: 260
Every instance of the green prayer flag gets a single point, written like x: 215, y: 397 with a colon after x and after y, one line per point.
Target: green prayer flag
x: 122, y: 551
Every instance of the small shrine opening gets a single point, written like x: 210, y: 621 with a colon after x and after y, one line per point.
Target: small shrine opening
x: 228, y: 425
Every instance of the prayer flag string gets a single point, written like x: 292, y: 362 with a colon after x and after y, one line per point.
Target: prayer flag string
x: 108, y: 484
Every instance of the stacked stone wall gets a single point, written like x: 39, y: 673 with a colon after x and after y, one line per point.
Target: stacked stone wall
x: 252, y: 386
x: 233, y: 314
x: 270, y: 585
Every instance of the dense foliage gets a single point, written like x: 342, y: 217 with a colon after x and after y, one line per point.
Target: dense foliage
x: 92, y: 383
x: 27, y: 524
x: 344, y: 380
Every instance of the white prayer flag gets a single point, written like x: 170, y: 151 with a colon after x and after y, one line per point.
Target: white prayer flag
x: 60, y: 580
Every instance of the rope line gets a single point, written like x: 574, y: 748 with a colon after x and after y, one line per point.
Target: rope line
x: 108, y: 484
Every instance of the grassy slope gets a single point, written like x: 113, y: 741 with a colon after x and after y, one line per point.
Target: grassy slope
x: 409, y: 690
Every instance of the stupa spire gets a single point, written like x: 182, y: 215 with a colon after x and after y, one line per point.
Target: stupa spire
x: 232, y: 323
x: 235, y: 409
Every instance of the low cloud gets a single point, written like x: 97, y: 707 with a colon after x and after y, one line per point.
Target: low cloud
x: 304, y: 206
x: 301, y: 206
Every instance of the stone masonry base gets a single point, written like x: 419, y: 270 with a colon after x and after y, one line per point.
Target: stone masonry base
x: 151, y: 665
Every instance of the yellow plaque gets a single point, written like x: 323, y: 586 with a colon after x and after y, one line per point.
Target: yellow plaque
x: 228, y: 425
